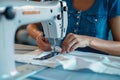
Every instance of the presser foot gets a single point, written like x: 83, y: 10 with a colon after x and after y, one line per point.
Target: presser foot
x: 47, y: 56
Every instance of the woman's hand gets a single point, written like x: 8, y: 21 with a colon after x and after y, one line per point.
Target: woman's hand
x: 74, y: 41
x: 43, y: 43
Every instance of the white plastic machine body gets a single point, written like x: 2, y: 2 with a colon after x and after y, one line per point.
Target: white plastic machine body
x: 52, y: 14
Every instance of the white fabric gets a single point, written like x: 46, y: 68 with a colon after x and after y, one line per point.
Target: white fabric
x: 75, y: 61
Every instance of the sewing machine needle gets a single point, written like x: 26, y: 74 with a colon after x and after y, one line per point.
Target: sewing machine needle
x: 54, y: 45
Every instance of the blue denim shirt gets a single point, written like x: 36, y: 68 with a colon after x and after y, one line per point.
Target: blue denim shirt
x: 94, y: 21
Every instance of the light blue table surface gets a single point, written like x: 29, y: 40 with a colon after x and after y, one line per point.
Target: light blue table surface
x: 60, y: 74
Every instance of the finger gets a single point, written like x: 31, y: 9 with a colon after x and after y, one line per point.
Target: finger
x: 63, y: 49
x: 71, y: 38
x: 40, y: 42
x: 70, y: 44
x: 40, y: 35
x: 68, y: 37
x: 68, y: 40
x: 46, y: 40
x: 76, y: 45
x: 43, y: 45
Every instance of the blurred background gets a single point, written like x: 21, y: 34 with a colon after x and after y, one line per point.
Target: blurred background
x: 22, y: 36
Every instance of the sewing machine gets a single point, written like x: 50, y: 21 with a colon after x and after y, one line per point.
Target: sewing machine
x: 52, y: 15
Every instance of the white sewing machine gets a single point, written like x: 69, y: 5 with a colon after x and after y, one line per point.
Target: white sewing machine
x: 52, y: 15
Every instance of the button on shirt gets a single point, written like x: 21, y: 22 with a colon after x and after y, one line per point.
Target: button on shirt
x: 94, y: 21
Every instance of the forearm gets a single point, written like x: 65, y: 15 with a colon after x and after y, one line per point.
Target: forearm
x: 33, y: 30
x: 110, y: 47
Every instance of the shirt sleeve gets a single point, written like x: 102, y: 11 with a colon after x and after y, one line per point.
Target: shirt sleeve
x: 114, y: 9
